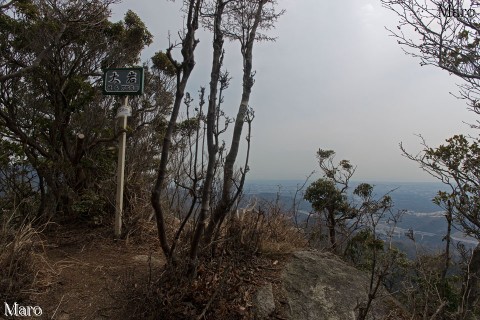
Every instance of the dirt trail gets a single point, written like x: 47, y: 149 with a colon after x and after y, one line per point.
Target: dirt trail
x: 89, y: 270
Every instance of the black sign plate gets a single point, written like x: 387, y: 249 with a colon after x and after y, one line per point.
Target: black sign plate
x: 123, y: 81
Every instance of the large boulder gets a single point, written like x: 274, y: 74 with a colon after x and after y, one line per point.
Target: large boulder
x: 320, y: 286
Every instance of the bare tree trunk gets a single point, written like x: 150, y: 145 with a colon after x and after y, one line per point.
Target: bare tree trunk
x: 43, y: 200
x: 184, y: 70
x: 331, y: 230
x: 448, y: 239
x: 249, y: 120
x: 212, y: 146
x: 470, y: 289
x: 247, y: 53
x: 193, y: 167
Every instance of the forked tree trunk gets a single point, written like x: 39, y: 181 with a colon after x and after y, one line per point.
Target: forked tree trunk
x: 183, y: 73
x: 226, y: 200
x: 212, y: 147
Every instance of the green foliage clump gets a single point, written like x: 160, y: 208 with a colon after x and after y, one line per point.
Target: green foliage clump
x: 323, y: 194
x: 361, y: 247
x: 91, y: 207
x: 162, y: 62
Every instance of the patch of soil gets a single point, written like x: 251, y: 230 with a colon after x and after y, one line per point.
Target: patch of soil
x: 90, y: 272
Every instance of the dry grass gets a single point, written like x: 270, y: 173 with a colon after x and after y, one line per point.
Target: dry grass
x: 23, y: 267
x: 266, y: 232
x: 281, y: 236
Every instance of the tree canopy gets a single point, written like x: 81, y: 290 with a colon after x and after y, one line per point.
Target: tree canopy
x: 51, y: 105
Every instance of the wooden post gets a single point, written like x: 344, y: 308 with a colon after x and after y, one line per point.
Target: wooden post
x: 120, y: 173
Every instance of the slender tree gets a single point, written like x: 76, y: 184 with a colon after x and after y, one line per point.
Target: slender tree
x: 456, y: 163
x: 212, y: 143
x: 183, y: 71
x: 245, y: 21
x: 326, y: 198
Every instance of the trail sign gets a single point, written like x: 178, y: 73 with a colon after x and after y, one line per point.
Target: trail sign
x: 123, y: 81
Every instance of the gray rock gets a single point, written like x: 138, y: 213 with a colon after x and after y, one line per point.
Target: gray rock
x: 264, y: 302
x: 321, y: 286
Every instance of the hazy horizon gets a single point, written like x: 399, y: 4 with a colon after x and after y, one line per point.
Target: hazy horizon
x: 354, y: 181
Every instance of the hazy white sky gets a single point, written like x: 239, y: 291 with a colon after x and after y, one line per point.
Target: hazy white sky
x: 334, y: 79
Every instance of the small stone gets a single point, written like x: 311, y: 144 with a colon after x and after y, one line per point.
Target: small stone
x: 264, y: 302
x: 143, y: 258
